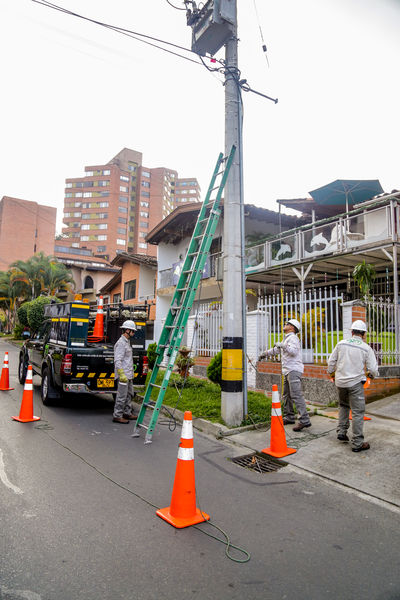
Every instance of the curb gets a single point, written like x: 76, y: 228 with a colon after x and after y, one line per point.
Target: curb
x: 216, y: 429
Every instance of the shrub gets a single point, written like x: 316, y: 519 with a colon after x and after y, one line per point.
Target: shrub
x: 214, y: 369
x: 35, y: 311
x: 151, y: 355
x: 22, y: 314
x: 18, y: 329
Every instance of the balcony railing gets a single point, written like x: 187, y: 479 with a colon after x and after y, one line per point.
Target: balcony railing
x: 322, y: 238
x: 169, y: 277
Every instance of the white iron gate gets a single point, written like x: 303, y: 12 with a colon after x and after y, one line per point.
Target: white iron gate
x: 319, y: 312
x: 383, y: 330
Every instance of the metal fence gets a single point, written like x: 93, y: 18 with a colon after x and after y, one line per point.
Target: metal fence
x: 319, y: 312
x: 383, y: 329
x: 206, y: 330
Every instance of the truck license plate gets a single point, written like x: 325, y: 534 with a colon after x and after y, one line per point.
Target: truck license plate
x: 105, y: 383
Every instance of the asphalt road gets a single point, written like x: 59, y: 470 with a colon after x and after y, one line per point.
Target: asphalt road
x: 70, y: 531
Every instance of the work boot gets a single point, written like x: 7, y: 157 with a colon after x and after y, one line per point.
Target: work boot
x: 287, y: 421
x: 364, y: 446
x: 130, y: 417
x: 120, y: 420
x: 301, y: 426
x: 342, y: 437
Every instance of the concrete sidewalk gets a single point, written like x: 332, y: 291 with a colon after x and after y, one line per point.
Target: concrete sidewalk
x: 375, y: 472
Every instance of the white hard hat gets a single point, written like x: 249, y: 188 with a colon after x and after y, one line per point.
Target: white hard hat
x: 358, y: 325
x: 128, y: 325
x: 295, y: 323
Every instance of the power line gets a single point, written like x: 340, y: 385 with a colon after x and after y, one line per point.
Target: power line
x: 122, y: 31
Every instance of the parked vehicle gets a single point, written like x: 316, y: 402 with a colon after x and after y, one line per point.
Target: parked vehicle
x: 68, y: 362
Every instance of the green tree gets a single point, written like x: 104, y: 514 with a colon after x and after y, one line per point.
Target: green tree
x: 35, y: 311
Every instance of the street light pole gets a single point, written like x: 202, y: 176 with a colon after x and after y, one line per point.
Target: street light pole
x: 232, y: 388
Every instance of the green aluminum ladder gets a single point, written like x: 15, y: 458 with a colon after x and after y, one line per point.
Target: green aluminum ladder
x: 183, y: 298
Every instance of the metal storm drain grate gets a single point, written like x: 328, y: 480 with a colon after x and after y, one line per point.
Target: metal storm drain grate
x: 255, y: 462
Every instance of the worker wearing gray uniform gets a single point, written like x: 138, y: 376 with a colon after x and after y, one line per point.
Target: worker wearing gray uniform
x: 123, y: 363
x: 292, y: 370
x: 351, y: 361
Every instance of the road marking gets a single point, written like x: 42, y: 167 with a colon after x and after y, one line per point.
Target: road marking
x: 4, y: 478
x: 23, y: 594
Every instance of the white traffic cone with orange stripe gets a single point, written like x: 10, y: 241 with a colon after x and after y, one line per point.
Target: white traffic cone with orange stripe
x: 26, y: 410
x: 4, y: 379
x: 278, y: 446
x: 183, y: 511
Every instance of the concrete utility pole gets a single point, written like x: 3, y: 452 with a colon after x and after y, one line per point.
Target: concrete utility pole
x: 233, y: 339
x: 213, y: 26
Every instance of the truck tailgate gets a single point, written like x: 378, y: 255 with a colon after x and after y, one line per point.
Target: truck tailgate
x: 94, y: 366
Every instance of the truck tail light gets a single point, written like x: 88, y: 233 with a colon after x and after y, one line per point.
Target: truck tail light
x: 66, y: 365
x: 145, y: 364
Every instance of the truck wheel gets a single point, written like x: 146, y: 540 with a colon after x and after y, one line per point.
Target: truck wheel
x: 47, y: 390
x: 22, y: 370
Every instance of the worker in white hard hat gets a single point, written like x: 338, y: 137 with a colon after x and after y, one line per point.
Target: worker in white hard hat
x: 123, y: 363
x: 292, y: 370
x: 351, y: 362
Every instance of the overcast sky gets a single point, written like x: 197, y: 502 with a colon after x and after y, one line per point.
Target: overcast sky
x: 74, y: 94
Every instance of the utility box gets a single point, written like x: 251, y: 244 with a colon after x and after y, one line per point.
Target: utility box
x: 212, y: 25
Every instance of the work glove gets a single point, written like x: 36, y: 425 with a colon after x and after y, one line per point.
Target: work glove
x: 279, y: 344
x: 121, y: 376
x: 370, y: 376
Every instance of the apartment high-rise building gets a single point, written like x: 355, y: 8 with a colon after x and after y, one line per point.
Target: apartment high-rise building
x: 25, y: 228
x: 113, y: 207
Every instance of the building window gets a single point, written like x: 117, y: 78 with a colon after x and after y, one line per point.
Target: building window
x: 116, y: 298
x: 130, y: 289
x: 145, y: 194
x: 142, y: 234
x: 101, y: 226
x: 121, y: 242
x: 123, y: 199
x: 124, y: 178
x: 87, y: 194
x: 101, y: 238
x: 103, y: 183
x: 121, y: 231
x: 145, y: 174
x: 122, y: 209
x: 123, y: 188
x: 107, y: 172
x: 88, y: 283
x: 84, y: 238
x: 101, y: 248
x: 68, y: 185
x: 144, y: 224
x: 141, y: 245
x: 104, y: 194
x: 69, y: 195
x: 146, y: 184
x: 144, y: 214
x: 77, y: 214
x: 122, y: 220
x: 78, y: 194
x: 85, y: 226
x: 145, y: 204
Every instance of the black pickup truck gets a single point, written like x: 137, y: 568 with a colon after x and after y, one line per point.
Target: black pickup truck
x: 67, y: 362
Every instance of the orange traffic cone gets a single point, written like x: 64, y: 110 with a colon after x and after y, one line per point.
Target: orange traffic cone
x: 26, y: 410
x: 98, y: 330
x: 365, y: 417
x: 4, y: 379
x: 183, y: 511
x: 278, y: 446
